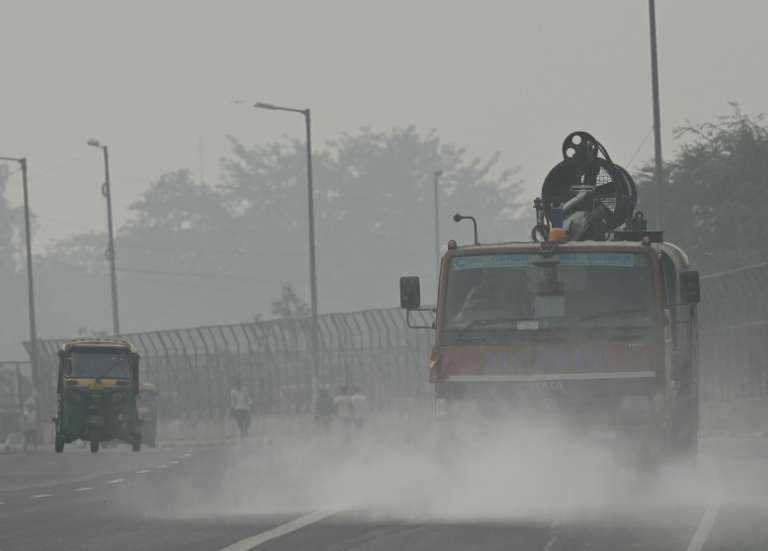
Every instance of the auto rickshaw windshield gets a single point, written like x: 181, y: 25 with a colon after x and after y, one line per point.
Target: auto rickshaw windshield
x: 100, y: 364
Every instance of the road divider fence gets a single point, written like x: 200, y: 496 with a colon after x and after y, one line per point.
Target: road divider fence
x: 195, y: 368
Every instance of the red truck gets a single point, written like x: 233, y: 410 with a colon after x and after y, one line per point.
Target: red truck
x: 590, y: 321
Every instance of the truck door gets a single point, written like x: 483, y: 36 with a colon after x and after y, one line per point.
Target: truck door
x: 684, y: 406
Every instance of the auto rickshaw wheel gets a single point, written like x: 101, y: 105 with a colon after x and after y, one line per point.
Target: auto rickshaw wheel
x: 94, y: 446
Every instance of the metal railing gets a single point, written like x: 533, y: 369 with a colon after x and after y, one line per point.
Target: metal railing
x: 15, y: 389
x: 734, y: 333
x: 194, y: 369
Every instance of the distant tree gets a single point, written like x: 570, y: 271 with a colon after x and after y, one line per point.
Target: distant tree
x: 10, y: 225
x: 714, y: 203
x: 368, y: 181
x: 374, y: 207
x: 12, y: 281
x: 176, y: 262
x: 175, y: 204
x: 193, y: 254
x: 175, y: 218
x: 289, y: 305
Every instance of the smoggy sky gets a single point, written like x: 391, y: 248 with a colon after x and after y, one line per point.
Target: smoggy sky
x: 155, y: 79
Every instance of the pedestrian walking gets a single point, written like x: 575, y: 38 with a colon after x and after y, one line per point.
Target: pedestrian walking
x: 360, y: 408
x: 29, y: 425
x: 343, y: 407
x: 240, y: 404
x: 324, y: 409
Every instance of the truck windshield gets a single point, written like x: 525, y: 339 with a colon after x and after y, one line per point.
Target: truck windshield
x: 530, y: 291
x: 113, y: 364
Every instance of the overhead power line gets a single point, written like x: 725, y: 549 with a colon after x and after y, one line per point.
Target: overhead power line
x: 639, y: 147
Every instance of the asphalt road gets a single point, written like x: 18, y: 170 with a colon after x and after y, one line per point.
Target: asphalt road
x: 210, y: 499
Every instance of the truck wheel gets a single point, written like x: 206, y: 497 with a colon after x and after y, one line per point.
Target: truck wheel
x: 94, y: 446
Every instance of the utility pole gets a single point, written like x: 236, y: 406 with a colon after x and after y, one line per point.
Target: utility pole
x: 311, y: 216
x: 33, y: 355
x: 437, y: 175
x: 201, y: 160
x: 30, y: 279
x: 311, y: 221
x: 106, y: 191
x: 658, y: 171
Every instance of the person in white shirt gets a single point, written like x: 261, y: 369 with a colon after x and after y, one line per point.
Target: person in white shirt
x: 240, y: 404
x: 360, y: 408
x: 343, y: 407
x: 29, y: 422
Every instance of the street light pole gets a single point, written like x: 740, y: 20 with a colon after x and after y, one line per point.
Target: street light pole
x: 658, y: 175
x: 30, y: 280
x: 437, y: 175
x: 106, y: 191
x: 311, y: 217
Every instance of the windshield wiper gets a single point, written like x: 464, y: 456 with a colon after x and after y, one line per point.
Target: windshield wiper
x: 613, y: 313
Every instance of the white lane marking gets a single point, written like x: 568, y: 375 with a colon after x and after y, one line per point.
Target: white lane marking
x: 543, y: 377
x: 175, y: 462
x: 2, y: 502
x: 162, y: 466
x: 704, y: 528
x: 40, y: 496
x: 283, y: 529
x: 142, y: 471
x: 84, y: 489
x: 116, y: 481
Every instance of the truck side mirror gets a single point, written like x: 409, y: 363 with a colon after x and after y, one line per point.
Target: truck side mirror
x: 690, y: 290
x: 410, y: 293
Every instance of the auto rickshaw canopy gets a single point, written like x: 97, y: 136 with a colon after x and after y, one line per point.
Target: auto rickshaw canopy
x: 97, y: 342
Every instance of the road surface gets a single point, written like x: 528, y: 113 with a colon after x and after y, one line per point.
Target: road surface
x: 228, y: 498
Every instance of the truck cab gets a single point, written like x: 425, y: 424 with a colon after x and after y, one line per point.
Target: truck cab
x: 601, y: 334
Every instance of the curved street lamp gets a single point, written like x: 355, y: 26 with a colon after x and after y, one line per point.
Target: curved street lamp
x: 311, y: 211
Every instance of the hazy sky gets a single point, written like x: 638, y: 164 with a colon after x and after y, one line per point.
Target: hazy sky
x: 153, y: 79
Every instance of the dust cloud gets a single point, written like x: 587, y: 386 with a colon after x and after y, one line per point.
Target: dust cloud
x: 398, y: 469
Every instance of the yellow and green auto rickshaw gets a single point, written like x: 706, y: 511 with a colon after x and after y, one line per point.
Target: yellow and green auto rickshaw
x: 98, y: 386
x: 147, y: 404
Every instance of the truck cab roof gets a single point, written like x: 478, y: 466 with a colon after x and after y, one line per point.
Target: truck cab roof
x: 675, y: 253
x: 96, y: 342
